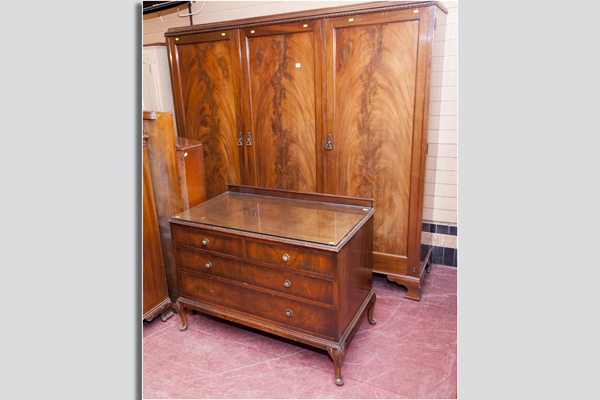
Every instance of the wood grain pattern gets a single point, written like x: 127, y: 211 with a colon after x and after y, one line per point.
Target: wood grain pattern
x: 372, y: 123
x: 300, y: 285
x: 155, y: 289
x: 262, y: 291
x: 162, y: 161
x: 209, y: 103
x: 283, y: 110
x: 240, y: 297
x: 191, y: 172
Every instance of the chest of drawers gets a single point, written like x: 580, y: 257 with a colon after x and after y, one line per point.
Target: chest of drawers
x: 295, y: 264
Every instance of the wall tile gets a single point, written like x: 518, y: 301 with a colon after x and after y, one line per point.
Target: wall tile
x: 447, y: 136
x: 450, y: 241
x: 432, y: 137
x: 447, y: 150
x: 431, y: 163
x: 428, y: 213
x: 445, y: 216
x: 443, y: 190
x: 448, y: 256
x: 449, y: 93
x: 445, y: 164
x: 445, y: 203
x: 438, y: 255
x: 449, y: 78
x: 434, y: 108
x: 443, y: 229
x: 450, y: 48
x: 446, y: 177
x: 448, y: 122
x: 436, y: 79
x: 448, y: 108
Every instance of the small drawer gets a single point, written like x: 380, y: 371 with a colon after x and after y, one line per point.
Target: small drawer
x: 290, y: 256
x: 280, y: 310
x: 320, y: 290
x: 207, y: 240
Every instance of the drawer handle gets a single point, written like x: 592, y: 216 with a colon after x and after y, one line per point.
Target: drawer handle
x: 208, y: 265
x: 289, y: 313
x: 205, y: 241
x: 287, y: 283
x: 286, y: 258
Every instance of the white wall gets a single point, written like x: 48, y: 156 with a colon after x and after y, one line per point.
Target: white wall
x: 440, y: 203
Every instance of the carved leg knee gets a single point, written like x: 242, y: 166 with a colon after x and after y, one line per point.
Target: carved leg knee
x: 182, y: 315
x: 338, y: 358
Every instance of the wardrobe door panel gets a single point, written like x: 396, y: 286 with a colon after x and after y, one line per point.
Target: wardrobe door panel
x: 372, y: 73
x: 206, y: 85
x: 283, y: 67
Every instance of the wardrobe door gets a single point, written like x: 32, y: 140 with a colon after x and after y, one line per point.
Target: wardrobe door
x: 281, y: 69
x: 205, y: 72
x: 376, y: 71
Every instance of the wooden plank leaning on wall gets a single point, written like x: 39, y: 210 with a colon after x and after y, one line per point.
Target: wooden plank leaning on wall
x: 155, y: 290
x: 162, y: 160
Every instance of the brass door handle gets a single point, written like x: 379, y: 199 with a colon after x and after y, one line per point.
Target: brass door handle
x: 329, y: 144
x: 249, y: 140
x: 240, y: 140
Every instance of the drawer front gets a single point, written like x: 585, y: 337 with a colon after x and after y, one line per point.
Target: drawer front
x: 320, y: 290
x: 297, y: 257
x: 304, y: 316
x: 194, y: 237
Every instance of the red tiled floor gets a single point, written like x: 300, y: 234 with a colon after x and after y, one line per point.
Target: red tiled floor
x: 410, y: 353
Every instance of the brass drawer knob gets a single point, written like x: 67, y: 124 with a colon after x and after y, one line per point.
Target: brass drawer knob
x: 287, y: 283
x: 205, y: 241
x: 286, y: 258
x: 208, y: 265
x: 289, y: 313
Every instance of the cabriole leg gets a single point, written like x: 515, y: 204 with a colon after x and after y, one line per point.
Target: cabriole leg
x: 372, y: 320
x: 338, y: 358
x: 182, y: 315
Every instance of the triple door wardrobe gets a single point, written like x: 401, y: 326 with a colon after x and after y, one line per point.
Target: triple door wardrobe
x: 330, y: 101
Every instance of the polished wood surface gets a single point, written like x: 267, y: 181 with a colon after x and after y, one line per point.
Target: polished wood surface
x: 372, y: 65
x: 207, y: 104
x: 191, y: 172
x: 281, y: 104
x: 373, y: 140
x: 287, y: 218
x: 306, y: 15
x: 207, y: 240
x: 283, y: 280
x: 310, y: 293
x: 162, y: 162
x: 154, y: 279
x: 298, y: 258
x: 260, y: 303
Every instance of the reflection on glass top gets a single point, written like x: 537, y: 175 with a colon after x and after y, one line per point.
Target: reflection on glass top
x: 288, y: 218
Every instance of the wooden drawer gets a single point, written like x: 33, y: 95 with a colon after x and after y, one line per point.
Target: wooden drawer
x: 299, y: 258
x: 219, y: 243
x: 320, y: 290
x: 304, y: 316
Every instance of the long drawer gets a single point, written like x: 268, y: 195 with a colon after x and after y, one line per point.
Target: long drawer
x: 284, y: 311
x: 290, y: 256
x: 207, y: 240
x: 320, y: 290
